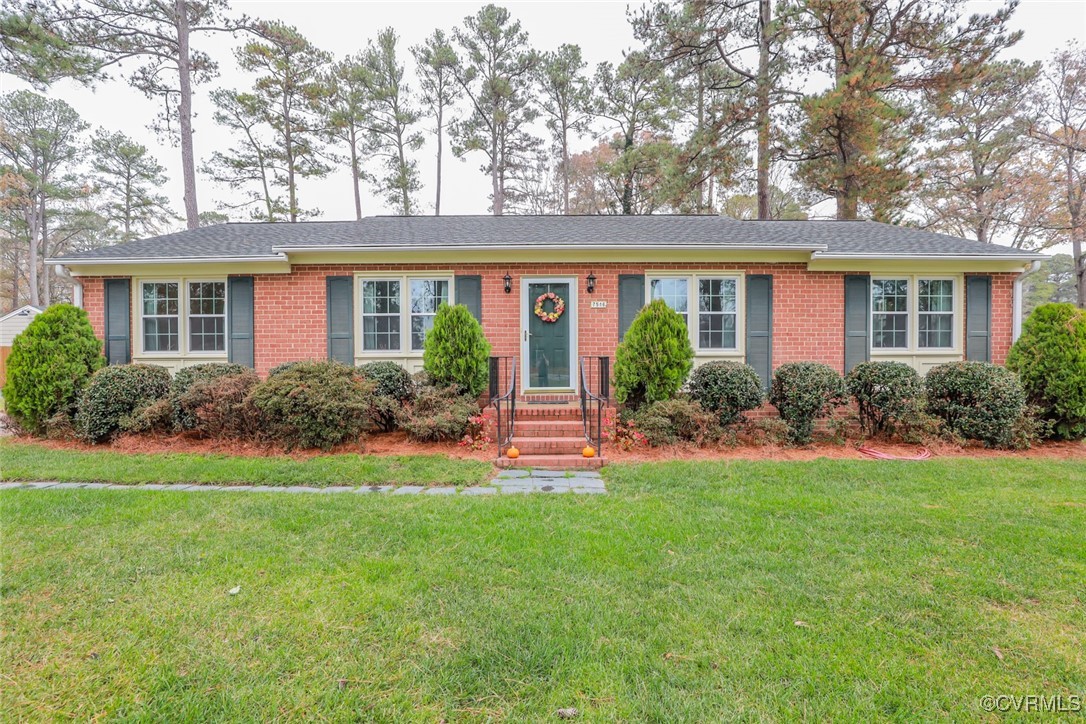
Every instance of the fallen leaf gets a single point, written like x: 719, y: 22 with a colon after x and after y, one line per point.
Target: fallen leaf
x: 234, y: 591
x: 569, y: 713
x: 997, y: 652
x: 802, y: 624
x: 342, y: 684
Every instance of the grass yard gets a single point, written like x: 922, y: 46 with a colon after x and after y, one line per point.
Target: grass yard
x: 27, y: 461
x: 693, y: 591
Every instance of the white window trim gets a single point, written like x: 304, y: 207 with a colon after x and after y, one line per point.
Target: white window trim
x: 182, y: 318
x: 913, y: 330
x: 693, y: 278
x: 225, y: 316
x: 405, y: 280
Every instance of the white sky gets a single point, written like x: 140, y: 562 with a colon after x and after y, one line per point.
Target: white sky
x: 600, y: 28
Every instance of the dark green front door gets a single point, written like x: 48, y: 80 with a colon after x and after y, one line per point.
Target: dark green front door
x: 549, y: 342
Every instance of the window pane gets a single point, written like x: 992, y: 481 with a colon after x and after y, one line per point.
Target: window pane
x: 420, y: 325
x: 160, y: 298
x: 428, y: 294
x: 381, y: 297
x: 935, y: 295
x: 890, y: 295
x: 717, y: 307
x: 381, y: 333
x: 673, y: 292
x: 160, y: 334
x: 207, y: 334
x: 890, y: 330
x: 936, y: 330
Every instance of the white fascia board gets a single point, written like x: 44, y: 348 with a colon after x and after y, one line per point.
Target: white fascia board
x: 170, y: 260
x: 1025, y: 256
x: 558, y: 247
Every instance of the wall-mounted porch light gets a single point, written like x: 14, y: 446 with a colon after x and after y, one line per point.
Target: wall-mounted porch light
x: 508, y: 283
x: 591, y: 282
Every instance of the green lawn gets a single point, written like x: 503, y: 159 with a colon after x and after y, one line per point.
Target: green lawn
x: 19, y: 461
x: 701, y: 592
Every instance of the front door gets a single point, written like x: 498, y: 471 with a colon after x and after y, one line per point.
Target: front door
x: 549, y: 344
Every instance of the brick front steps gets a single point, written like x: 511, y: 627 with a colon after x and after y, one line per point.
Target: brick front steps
x: 549, y: 436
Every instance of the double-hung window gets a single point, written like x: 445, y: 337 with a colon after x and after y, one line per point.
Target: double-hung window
x: 716, y: 301
x: 207, y: 316
x: 911, y: 312
x: 161, y: 312
x: 381, y: 315
x: 426, y: 296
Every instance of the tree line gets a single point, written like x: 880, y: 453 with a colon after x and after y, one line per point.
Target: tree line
x: 893, y: 110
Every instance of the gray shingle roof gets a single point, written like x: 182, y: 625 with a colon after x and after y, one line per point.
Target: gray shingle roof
x: 249, y: 240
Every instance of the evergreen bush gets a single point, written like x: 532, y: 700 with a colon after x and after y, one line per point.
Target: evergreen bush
x: 668, y: 421
x: 803, y: 392
x: 49, y: 365
x: 654, y: 359
x: 888, y: 395
x: 439, y: 414
x: 1050, y: 359
x: 186, y: 377
x: 456, y: 352
x: 977, y: 400
x: 394, y: 389
x: 727, y: 388
x: 116, y: 395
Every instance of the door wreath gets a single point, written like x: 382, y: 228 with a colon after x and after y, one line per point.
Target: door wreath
x: 553, y: 315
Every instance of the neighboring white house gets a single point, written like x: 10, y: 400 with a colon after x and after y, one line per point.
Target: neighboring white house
x: 11, y: 324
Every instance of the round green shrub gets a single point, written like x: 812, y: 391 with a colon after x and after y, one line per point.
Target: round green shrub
x: 315, y: 405
x: 888, y: 394
x: 439, y: 414
x: 394, y: 389
x: 668, y: 421
x: 50, y: 363
x: 118, y: 393
x: 456, y: 352
x: 977, y: 400
x: 727, y: 388
x: 655, y: 357
x: 803, y: 392
x: 186, y: 377
x: 1050, y: 359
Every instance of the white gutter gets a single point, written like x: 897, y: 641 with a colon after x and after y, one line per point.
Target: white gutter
x: 931, y: 257
x: 162, y: 260
x: 551, y: 247
x: 1016, y: 325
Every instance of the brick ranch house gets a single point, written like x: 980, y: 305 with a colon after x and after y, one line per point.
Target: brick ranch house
x: 763, y: 292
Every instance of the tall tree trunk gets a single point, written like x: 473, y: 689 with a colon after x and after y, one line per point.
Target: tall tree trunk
x: 565, y: 171
x: 184, y: 111
x: 354, y: 174
x: 627, y: 183
x: 699, y: 203
x: 495, y: 187
x: 762, y: 100
x: 34, y: 224
x: 440, y: 140
x: 47, y: 290
x: 288, y: 150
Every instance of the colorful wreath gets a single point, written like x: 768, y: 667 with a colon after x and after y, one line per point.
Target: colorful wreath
x: 559, y: 307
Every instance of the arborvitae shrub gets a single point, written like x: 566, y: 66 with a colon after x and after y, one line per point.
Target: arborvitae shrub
x: 655, y: 357
x: 888, y: 394
x: 394, y: 390
x: 49, y: 365
x: 804, y: 391
x: 115, y: 395
x: 977, y: 400
x: 315, y: 404
x: 727, y: 388
x: 186, y: 377
x: 1050, y: 359
x: 456, y: 352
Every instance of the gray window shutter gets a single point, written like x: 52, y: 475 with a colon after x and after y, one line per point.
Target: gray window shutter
x: 118, y: 309
x: 341, y: 319
x: 857, y: 319
x: 760, y: 326
x: 469, y: 292
x: 239, y: 321
x: 978, y: 318
x: 631, y: 298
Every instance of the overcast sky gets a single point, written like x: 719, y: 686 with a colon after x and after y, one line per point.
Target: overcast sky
x: 600, y: 28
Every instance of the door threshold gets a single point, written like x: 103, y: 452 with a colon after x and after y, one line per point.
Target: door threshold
x: 549, y: 391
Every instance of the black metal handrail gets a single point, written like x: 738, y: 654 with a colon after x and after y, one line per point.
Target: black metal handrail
x: 594, y: 398
x: 504, y: 396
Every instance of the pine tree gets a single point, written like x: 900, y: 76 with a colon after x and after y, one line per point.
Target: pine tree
x: 128, y: 178
x: 436, y: 60
x: 565, y: 99
x: 347, y: 110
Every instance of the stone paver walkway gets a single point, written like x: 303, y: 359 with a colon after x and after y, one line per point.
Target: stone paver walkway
x: 582, y: 482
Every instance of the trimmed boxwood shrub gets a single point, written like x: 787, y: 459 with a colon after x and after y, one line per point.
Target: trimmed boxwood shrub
x: 803, y: 392
x: 1050, y: 359
x: 50, y: 363
x: 116, y: 394
x: 394, y: 389
x: 221, y: 407
x: 439, y: 414
x: 888, y: 394
x: 669, y: 421
x: 456, y: 353
x: 315, y: 405
x: 186, y: 377
x: 977, y: 400
x: 727, y: 388
x: 655, y: 357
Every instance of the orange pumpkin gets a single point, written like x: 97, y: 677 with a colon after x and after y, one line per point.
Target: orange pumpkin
x: 512, y: 453
x: 589, y: 451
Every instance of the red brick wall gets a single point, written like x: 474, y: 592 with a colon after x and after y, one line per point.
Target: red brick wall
x: 808, y: 308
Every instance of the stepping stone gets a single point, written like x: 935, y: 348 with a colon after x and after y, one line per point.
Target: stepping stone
x: 579, y: 481
x: 9, y: 486
x: 237, y: 488
x: 553, y: 490
x: 518, y: 489
x: 589, y: 491
x: 478, y: 491
x: 208, y: 488
x: 337, y: 489
x: 548, y: 473
x: 42, y: 486
x: 408, y: 490
x: 270, y: 489
x: 120, y: 487
x: 374, y: 489
x: 302, y: 489
x: 586, y: 474
x: 440, y: 491
x: 67, y: 486
x: 504, y: 474
x: 95, y: 486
